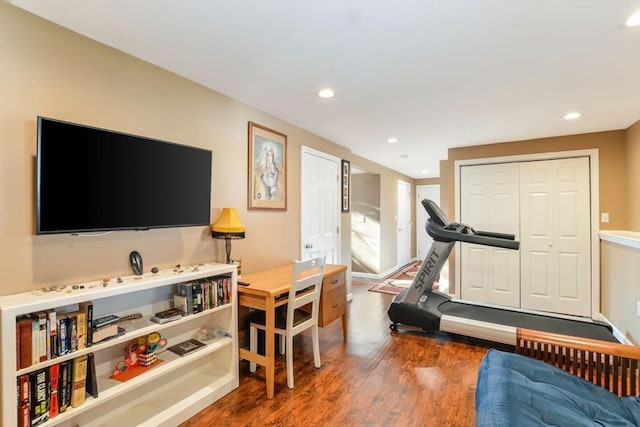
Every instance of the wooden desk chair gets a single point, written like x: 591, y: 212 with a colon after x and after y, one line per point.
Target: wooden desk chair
x: 306, y: 285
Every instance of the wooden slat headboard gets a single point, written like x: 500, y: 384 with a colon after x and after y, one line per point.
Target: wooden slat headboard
x: 614, y: 366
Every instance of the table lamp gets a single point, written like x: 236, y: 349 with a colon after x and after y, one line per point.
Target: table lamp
x: 228, y: 227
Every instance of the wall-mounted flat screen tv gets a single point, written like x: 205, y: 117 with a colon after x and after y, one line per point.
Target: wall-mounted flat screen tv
x: 91, y: 179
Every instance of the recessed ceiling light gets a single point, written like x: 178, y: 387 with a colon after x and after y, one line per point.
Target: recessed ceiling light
x: 392, y: 140
x: 572, y: 116
x: 424, y: 171
x: 326, y: 93
x: 634, y: 20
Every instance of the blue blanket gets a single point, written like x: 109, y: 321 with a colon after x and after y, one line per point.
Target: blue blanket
x: 515, y: 390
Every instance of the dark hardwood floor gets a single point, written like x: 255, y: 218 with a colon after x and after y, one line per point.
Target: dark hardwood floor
x: 377, y: 378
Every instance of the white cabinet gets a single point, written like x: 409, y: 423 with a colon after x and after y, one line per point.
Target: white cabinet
x: 168, y: 393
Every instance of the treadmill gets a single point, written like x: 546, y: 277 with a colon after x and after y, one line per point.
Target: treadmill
x: 420, y: 307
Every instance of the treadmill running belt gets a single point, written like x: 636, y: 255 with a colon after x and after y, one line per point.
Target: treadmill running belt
x: 518, y: 319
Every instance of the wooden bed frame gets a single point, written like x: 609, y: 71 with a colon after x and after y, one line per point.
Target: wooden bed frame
x: 613, y: 366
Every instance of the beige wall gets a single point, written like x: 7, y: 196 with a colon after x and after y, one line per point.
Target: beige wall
x: 613, y: 167
x: 49, y: 71
x: 633, y: 169
x: 619, y: 271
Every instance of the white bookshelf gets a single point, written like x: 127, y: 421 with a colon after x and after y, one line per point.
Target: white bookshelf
x: 169, y: 393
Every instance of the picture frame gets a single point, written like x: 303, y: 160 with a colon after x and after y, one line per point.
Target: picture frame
x: 346, y: 183
x: 267, y: 169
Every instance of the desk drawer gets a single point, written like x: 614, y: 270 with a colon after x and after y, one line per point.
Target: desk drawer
x: 333, y: 304
x: 329, y: 283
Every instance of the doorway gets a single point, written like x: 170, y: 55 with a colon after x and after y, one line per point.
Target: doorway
x: 320, y: 209
x: 404, y: 223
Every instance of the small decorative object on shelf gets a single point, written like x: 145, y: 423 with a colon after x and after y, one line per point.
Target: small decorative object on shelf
x: 140, y: 352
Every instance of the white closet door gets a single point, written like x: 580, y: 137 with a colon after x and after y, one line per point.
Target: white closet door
x: 490, y: 202
x: 555, y: 227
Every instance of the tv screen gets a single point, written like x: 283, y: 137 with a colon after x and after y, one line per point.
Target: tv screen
x: 91, y: 179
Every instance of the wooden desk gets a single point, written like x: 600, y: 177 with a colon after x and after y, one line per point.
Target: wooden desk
x: 266, y: 285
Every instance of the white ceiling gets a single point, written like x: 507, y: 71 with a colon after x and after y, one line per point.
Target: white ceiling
x: 433, y: 73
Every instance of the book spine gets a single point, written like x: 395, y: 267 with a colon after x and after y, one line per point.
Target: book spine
x: 54, y: 380
x: 63, y: 336
x: 81, y: 328
x: 52, y: 323
x: 92, y: 379
x: 66, y: 376
x: 25, y: 342
x: 24, y: 411
x: 185, y: 290
x: 87, y: 307
x: 197, y: 297
x: 39, y: 399
x: 73, y: 333
x: 79, y: 389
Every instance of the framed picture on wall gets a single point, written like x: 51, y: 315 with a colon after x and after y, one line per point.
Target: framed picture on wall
x: 267, y: 170
x: 346, y: 177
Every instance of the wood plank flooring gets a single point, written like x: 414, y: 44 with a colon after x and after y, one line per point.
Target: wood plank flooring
x: 377, y: 378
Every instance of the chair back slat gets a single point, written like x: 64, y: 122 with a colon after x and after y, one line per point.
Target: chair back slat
x: 306, y: 286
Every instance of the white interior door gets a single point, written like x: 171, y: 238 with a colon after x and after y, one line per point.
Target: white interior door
x: 320, y: 208
x: 489, y: 201
x: 556, y: 236
x: 423, y: 240
x: 404, y: 223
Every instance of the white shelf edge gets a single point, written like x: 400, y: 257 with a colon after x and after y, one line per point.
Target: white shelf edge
x: 149, y: 327
x: 172, y: 363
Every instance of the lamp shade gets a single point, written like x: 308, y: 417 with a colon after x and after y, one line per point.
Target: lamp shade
x: 228, y: 225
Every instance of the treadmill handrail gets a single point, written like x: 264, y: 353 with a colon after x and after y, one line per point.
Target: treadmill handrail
x: 455, y: 232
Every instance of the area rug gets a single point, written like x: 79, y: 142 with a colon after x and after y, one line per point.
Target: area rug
x: 399, y: 280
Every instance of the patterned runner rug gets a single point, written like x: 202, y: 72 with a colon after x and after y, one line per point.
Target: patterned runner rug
x: 399, y: 280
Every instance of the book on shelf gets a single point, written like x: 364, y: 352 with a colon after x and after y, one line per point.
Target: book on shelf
x: 196, y: 290
x: 64, y: 345
x: 185, y: 290
x: 87, y: 308
x: 39, y: 337
x: 105, y: 320
x: 54, y: 384
x: 182, y: 303
x: 105, y: 332
x: 187, y: 347
x: 24, y: 412
x: 92, y: 379
x: 73, y: 332
x: 81, y: 329
x: 52, y: 334
x: 79, y: 388
x: 65, y: 383
x: 23, y: 341
x: 39, y: 396
x: 167, y: 315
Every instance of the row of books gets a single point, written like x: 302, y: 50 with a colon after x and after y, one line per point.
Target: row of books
x: 197, y: 296
x: 45, y: 335
x: 47, y: 392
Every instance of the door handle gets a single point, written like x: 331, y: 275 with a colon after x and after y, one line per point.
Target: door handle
x: 308, y: 246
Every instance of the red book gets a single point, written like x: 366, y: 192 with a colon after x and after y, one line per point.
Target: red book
x: 23, y: 324
x: 24, y: 415
x: 54, y: 384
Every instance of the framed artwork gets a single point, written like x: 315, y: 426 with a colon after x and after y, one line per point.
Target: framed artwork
x: 346, y: 176
x: 267, y: 171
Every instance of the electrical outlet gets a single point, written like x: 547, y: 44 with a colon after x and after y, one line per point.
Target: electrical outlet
x: 638, y: 308
x: 604, y: 217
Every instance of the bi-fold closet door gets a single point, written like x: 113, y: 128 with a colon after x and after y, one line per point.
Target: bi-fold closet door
x: 546, y: 204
